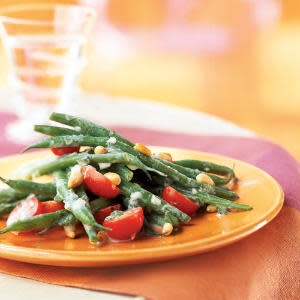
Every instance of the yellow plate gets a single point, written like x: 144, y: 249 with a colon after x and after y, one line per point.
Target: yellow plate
x: 205, y: 233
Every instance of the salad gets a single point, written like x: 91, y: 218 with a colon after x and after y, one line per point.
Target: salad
x: 114, y: 188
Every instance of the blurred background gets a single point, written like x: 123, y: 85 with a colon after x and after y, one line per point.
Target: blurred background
x: 236, y: 59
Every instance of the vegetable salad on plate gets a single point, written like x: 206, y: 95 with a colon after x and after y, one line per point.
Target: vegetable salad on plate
x: 116, y: 189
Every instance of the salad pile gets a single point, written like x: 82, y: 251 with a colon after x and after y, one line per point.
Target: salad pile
x: 111, y: 186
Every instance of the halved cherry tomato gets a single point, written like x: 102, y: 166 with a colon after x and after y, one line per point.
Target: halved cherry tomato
x: 98, y: 184
x: 64, y: 150
x: 179, y: 201
x: 126, y: 225
x: 26, y: 209
x: 101, y: 214
x: 51, y: 206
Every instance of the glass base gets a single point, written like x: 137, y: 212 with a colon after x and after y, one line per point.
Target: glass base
x: 22, y: 130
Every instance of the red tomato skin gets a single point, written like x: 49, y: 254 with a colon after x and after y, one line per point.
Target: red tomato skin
x: 28, y: 208
x: 127, y: 226
x: 101, y: 214
x: 179, y: 201
x: 51, y: 206
x: 64, y: 150
x: 98, y: 184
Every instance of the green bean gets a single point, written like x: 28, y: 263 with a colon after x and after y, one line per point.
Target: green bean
x: 90, y: 230
x: 194, y: 172
x: 24, y: 172
x: 205, y: 166
x: 69, y: 141
x: 91, y: 233
x: 69, y: 219
x: 73, y: 203
x: 149, y: 228
x: 175, y: 174
x: 100, y: 203
x: 54, y: 130
x: 10, y: 195
x: 156, y: 219
x: 162, y: 219
x: 150, y: 200
x: 201, y: 198
x: 122, y: 171
x: 87, y: 127
x: 219, y: 192
x: 74, y: 158
x: 79, y: 140
x: 26, y: 186
x: 66, y: 220
x: 226, y: 194
x: 173, y: 220
x: 39, y: 221
x: 155, y: 164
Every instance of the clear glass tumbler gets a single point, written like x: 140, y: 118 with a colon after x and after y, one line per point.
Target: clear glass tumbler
x: 44, y: 44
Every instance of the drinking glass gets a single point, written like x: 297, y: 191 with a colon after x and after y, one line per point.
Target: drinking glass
x: 44, y: 44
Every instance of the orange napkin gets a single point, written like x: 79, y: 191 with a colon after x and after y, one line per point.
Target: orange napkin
x: 262, y: 266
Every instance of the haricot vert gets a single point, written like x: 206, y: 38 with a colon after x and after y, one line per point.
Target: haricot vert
x: 111, y: 186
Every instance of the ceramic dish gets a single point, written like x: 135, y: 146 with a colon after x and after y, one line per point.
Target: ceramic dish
x: 205, y: 232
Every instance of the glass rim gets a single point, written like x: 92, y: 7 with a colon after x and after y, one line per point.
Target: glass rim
x: 40, y: 6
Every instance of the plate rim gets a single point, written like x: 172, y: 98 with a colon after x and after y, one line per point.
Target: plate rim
x: 124, y: 257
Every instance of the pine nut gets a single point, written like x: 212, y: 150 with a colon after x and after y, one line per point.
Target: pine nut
x: 76, y: 177
x: 70, y: 231
x: 142, y: 149
x: 113, y: 177
x: 167, y: 228
x: 165, y: 156
x: 211, y: 208
x: 203, y: 178
x: 100, y: 150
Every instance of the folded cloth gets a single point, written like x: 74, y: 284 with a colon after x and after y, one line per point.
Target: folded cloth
x: 264, y: 265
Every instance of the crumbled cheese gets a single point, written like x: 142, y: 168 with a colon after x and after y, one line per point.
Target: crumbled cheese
x: 134, y: 197
x: 112, y: 140
x: 78, y: 203
x: 77, y: 128
x: 103, y: 166
x: 133, y: 203
x: 155, y: 200
x: 194, y: 191
x: 69, y: 140
x: 206, y: 169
